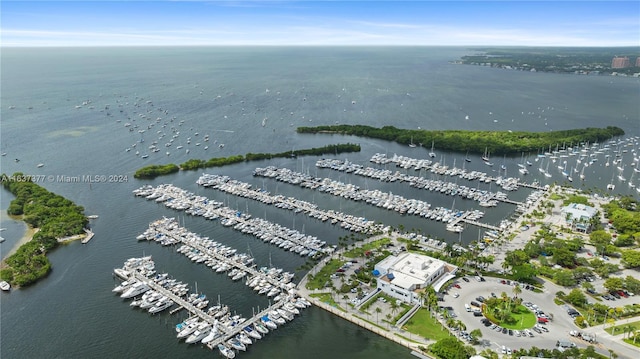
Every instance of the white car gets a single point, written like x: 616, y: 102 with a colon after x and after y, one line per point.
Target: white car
x: 456, y: 295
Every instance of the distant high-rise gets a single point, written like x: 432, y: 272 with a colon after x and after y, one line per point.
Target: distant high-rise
x: 620, y: 62
x: 638, y: 61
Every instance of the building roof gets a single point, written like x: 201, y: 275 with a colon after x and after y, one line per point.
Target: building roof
x: 410, y: 269
x: 578, y: 211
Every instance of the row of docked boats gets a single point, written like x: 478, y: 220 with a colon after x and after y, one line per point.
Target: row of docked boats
x: 270, y: 281
x: 433, y: 185
x: 214, y: 327
x: 385, y: 200
x: 180, y: 199
x: 243, y: 189
x: 436, y: 168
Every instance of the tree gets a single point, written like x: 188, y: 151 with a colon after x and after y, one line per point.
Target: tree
x: 378, y: 311
x: 600, y: 239
x: 517, y: 290
x: 475, y: 335
x: 564, y: 257
x: 564, y: 277
x: 632, y: 284
x: 613, y: 283
x: 576, y: 297
x: 449, y: 348
x: 525, y: 272
x: 631, y: 258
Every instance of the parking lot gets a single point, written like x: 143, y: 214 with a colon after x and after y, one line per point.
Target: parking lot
x: 554, y: 323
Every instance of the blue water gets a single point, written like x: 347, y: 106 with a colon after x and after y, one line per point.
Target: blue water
x: 226, y: 93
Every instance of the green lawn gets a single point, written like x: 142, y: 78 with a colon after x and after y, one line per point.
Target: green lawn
x: 630, y: 341
x: 327, y: 298
x: 424, y: 325
x: 359, y: 251
x: 319, y: 279
x: 524, y: 318
x: 619, y: 329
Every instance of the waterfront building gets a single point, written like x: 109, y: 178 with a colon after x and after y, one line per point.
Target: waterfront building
x: 404, y: 276
x: 579, y: 216
x: 638, y: 61
x: 620, y: 62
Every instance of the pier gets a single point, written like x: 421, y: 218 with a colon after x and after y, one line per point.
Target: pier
x: 226, y: 328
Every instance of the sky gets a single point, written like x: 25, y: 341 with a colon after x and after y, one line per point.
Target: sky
x: 319, y: 23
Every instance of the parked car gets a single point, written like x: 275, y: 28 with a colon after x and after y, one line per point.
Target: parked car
x: 465, y: 279
x: 457, y: 285
x: 543, y: 320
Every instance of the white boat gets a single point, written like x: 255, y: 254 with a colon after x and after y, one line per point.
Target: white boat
x: 40, y: 165
x: 5, y: 286
x: 191, y: 323
x: 236, y: 344
x: 252, y: 333
x: 243, y: 338
x: 199, y: 334
x: 432, y: 154
x: 213, y: 333
x: 135, y: 289
x: 226, y: 352
x: 160, y: 306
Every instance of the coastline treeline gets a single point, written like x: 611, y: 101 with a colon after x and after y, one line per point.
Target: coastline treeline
x: 478, y: 142
x: 153, y: 171
x: 54, y: 215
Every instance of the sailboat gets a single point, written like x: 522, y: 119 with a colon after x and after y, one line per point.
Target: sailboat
x: 546, y: 171
x: 582, y: 177
x: 411, y: 144
x: 466, y: 157
x: 485, y: 156
x: 432, y: 154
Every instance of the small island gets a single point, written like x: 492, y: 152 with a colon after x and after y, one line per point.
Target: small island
x: 153, y: 171
x: 49, y: 217
x: 478, y: 142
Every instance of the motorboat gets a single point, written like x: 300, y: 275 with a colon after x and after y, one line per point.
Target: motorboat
x: 199, y: 334
x: 5, y: 286
x: 135, y: 290
x: 161, y: 305
x: 226, y: 352
x: 236, y: 344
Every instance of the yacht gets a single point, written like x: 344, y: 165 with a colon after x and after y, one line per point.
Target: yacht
x: 236, y: 344
x: 161, y: 305
x: 40, y: 165
x: 135, y: 289
x: 226, y: 352
x: 5, y: 286
x: 432, y: 154
x: 199, y: 334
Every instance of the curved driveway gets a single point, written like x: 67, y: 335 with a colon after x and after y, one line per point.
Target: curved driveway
x: 559, y: 327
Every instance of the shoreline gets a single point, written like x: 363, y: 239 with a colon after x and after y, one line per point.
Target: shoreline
x: 26, y: 238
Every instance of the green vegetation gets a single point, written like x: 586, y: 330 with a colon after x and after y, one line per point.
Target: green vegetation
x: 54, y: 215
x: 508, y: 314
x: 624, y: 328
x: 323, y: 276
x: 360, y: 251
x: 425, y: 325
x: 327, y: 298
x: 194, y: 164
x: 451, y: 348
x: 155, y: 171
x: 494, y: 142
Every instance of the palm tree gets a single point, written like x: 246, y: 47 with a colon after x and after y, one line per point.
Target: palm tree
x: 378, y: 311
x: 517, y: 290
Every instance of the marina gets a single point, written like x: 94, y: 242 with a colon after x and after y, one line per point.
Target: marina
x: 215, y: 327
x: 387, y: 200
x: 88, y: 323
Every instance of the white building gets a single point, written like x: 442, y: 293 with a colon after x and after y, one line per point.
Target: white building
x: 579, y: 216
x: 405, y: 276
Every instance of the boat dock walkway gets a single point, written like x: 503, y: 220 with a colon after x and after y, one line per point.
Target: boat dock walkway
x: 90, y: 235
x: 250, y: 270
x: 225, y: 331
